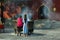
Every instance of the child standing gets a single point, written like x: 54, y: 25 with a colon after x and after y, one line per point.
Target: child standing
x: 19, y: 25
x: 25, y: 28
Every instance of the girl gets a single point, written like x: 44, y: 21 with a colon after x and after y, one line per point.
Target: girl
x: 19, y: 25
x: 25, y: 28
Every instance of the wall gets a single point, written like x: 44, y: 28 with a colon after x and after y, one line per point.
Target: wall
x: 55, y: 15
x: 35, y: 6
x: 56, y: 3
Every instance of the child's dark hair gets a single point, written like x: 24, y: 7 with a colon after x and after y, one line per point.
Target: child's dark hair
x: 20, y: 16
x: 25, y: 18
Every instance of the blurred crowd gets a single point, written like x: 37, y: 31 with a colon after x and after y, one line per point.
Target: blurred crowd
x: 13, y: 9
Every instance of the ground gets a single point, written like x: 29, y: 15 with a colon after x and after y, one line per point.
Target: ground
x: 42, y: 31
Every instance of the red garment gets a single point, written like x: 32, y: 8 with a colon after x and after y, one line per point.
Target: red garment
x: 1, y: 26
x: 19, y: 22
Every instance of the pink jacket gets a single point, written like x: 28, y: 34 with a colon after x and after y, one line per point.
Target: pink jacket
x: 19, y: 22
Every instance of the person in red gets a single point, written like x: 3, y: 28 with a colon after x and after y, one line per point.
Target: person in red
x: 19, y: 25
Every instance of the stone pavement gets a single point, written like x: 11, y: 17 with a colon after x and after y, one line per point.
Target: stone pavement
x: 41, y: 34
x: 51, y: 32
